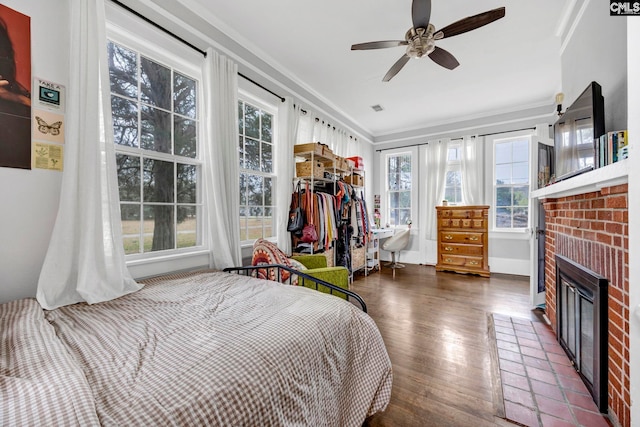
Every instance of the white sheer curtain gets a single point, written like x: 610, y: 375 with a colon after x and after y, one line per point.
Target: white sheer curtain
x: 472, y: 166
x: 85, y: 260
x: 220, y: 150
x: 288, y: 118
x: 434, y: 156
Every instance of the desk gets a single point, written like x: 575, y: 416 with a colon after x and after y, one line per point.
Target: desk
x: 373, y: 247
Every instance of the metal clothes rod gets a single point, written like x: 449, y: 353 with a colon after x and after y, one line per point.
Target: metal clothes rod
x: 192, y: 46
x: 453, y: 139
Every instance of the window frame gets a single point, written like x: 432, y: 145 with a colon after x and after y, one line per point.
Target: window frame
x: 149, y: 43
x: 247, y: 96
x: 494, y: 186
x: 412, y: 152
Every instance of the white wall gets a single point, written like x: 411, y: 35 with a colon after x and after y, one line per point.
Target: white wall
x: 596, y: 51
x: 633, y: 56
x: 30, y: 197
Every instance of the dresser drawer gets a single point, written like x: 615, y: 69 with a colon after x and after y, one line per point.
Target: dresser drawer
x: 475, y: 262
x: 461, y: 249
x: 462, y: 213
x: 461, y: 237
x: 467, y: 223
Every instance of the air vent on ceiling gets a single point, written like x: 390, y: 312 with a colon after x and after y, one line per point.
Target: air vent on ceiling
x: 377, y: 108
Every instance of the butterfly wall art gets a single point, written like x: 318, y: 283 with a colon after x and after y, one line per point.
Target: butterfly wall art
x: 44, y: 127
x: 48, y: 126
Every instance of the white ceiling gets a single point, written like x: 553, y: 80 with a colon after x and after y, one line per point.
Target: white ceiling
x: 510, y: 64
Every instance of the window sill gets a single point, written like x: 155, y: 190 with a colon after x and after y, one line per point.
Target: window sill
x: 162, y: 264
x: 510, y: 235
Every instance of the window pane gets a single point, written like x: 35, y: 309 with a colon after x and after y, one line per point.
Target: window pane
x: 155, y: 83
x: 240, y: 118
x: 185, y: 137
x: 521, y: 196
x: 128, y: 177
x: 158, y: 228
x: 503, y: 174
x: 453, y: 154
x: 243, y: 189
x: 521, y: 151
x: 269, y: 223
x: 187, y: 226
x: 394, y: 200
x: 394, y: 182
x: 243, y: 224
x: 130, y: 217
x: 405, y: 215
x: 241, y: 151
x: 404, y: 199
x: 267, y: 158
x: 503, y: 196
x: 125, y: 121
x: 251, y: 121
x: 393, y: 167
x: 252, y: 154
x: 123, y: 70
x: 184, y: 95
x: 520, y: 217
x: 268, y: 191
x: 186, y: 183
x: 254, y: 190
x: 521, y: 173
x: 158, y: 181
x: 394, y: 217
x: 503, y: 153
x: 503, y: 217
x: 450, y: 194
x: 156, y: 130
x: 405, y: 180
x: 267, y: 131
x: 453, y: 178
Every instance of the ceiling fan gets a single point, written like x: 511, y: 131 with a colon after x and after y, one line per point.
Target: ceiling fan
x: 421, y: 38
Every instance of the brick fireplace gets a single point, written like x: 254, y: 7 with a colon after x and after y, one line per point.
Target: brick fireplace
x: 592, y: 230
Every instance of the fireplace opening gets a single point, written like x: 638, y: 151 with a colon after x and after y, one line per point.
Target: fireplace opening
x: 582, y: 324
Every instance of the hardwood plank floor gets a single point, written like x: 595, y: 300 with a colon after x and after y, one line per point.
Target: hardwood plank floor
x: 435, y: 328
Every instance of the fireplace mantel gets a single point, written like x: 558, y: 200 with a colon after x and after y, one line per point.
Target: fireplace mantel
x: 608, y: 176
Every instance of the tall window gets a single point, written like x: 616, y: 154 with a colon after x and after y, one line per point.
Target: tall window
x: 399, y: 188
x: 257, y: 178
x: 512, y: 183
x: 453, y: 183
x: 155, y: 126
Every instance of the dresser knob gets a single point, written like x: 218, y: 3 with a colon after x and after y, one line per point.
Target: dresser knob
x: 448, y: 237
x: 449, y: 260
x: 473, y: 263
x: 474, y: 238
x: 448, y: 249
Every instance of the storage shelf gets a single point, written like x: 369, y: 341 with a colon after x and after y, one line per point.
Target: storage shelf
x: 607, y: 176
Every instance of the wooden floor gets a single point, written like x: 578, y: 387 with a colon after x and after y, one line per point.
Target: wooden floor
x: 435, y: 328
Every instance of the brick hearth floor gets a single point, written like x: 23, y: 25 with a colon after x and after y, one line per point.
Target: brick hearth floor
x: 539, y: 385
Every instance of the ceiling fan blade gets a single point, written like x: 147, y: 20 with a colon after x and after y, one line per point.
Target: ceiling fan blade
x: 396, y: 67
x: 470, y: 23
x: 421, y: 13
x: 444, y: 58
x: 379, y: 45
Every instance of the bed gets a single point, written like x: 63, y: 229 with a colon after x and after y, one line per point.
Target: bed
x: 208, y: 348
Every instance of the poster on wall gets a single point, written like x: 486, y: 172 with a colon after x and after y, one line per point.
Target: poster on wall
x: 48, y: 156
x: 50, y: 95
x: 15, y: 89
x: 48, y: 126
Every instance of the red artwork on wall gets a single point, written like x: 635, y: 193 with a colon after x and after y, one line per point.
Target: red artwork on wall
x: 15, y: 89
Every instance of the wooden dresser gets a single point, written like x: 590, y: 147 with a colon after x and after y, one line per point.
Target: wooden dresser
x: 463, y: 239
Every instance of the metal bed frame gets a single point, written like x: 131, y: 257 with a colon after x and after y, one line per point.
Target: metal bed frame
x: 252, y: 271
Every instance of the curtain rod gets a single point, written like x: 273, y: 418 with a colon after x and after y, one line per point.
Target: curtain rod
x: 192, y: 46
x: 453, y: 139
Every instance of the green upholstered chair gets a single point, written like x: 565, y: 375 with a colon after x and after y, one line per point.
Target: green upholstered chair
x: 266, y: 252
x: 317, y: 267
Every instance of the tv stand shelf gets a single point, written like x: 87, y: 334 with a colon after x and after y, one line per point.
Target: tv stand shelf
x: 607, y: 176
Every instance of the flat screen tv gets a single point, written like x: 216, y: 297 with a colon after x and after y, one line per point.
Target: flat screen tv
x: 576, y: 133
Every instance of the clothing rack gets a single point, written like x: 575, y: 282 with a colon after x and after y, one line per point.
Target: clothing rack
x: 191, y: 45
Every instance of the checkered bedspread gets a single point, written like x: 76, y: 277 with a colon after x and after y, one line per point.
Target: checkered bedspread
x: 211, y: 349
